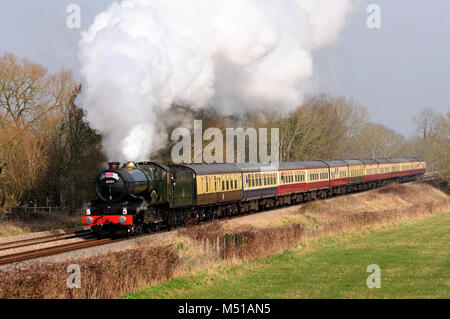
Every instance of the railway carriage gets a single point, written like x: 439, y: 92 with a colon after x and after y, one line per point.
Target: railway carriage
x: 338, y: 176
x: 355, y: 173
x: 418, y: 166
x: 259, y: 181
x: 293, y: 178
x: 371, y: 169
x: 216, y: 183
x: 338, y: 173
x: 384, y: 169
x: 396, y: 168
x: 317, y: 175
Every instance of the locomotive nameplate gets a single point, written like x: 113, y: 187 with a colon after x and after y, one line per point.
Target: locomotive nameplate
x: 109, y: 175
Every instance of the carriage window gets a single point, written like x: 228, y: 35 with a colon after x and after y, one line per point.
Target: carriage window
x: 207, y: 184
x: 235, y: 184
x: 223, y: 185
x: 228, y: 185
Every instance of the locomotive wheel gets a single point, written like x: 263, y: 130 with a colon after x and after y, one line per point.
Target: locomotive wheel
x: 139, y: 229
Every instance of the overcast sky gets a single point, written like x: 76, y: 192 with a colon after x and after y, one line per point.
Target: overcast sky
x: 394, y: 71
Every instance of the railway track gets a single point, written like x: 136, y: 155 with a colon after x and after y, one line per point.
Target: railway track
x: 43, y: 239
x: 50, y: 251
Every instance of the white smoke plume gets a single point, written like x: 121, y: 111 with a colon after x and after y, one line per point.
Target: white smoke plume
x: 141, y: 56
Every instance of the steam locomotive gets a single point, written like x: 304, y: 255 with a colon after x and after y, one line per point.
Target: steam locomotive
x: 142, y: 197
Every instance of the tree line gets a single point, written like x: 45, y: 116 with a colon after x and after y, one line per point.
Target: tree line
x: 49, y: 155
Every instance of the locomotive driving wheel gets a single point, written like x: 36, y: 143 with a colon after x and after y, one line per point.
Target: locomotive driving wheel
x: 139, y: 229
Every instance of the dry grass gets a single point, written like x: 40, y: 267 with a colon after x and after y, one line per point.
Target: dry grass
x: 12, y: 229
x: 228, y: 241
x: 106, y: 276
x: 18, y: 225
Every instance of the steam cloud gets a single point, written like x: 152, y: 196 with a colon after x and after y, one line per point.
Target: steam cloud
x: 141, y: 56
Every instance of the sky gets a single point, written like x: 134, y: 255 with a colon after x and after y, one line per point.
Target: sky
x: 394, y: 71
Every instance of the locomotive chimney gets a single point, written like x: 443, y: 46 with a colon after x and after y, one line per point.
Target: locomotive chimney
x: 114, y: 165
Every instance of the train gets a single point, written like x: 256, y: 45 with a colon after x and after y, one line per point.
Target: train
x: 140, y: 197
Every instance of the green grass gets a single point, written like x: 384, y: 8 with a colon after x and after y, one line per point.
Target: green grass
x: 413, y: 256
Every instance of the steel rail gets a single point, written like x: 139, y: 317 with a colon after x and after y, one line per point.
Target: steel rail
x: 42, y: 239
x: 44, y: 252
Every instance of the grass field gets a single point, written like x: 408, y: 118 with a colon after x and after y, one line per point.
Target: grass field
x: 413, y: 257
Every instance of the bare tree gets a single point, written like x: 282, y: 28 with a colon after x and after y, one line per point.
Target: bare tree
x: 426, y: 123
x: 33, y: 107
x: 378, y: 141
